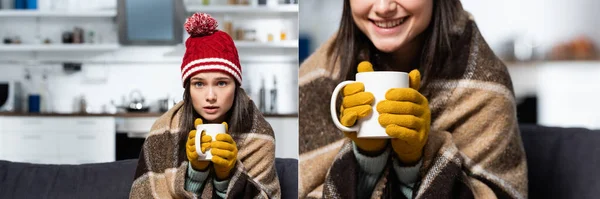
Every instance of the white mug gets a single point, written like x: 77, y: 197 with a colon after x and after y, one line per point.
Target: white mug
x: 378, y: 83
x: 209, y: 129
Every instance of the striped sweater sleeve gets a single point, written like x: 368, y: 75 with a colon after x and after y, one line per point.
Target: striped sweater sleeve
x: 221, y: 187
x: 408, y: 176
x: 372, y: 167
x: 370, y: 170
x: 194, y: 181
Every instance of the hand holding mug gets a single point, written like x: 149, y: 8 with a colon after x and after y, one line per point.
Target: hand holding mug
x: 406, y: 117
x: 190, y: 147
x: 222, y: 150
x: 357, y: 104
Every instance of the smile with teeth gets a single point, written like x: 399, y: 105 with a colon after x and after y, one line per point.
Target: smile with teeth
x: 389, y: 24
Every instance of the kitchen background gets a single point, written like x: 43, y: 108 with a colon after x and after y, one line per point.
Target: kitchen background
x: 85, y: 90
x: 551, y: 49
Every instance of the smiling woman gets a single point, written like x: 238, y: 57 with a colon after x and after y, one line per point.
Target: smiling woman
x: 392, y: 28
x: 243, y: 154
x: 452, y: 134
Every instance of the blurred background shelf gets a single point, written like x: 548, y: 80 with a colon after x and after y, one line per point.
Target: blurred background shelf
x: 38, y: 13
x: 58, y: 47
x: 274, y: 44
x: 539, y: 62
x: 237, y: 9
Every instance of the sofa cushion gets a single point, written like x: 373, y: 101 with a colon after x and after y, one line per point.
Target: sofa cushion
x: 562, y: 162
x: 287, y: 172
x: 101, y: 180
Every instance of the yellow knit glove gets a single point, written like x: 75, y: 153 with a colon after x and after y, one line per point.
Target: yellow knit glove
x: 190, y: 147
x: 406, y: 116
x: 224, y: 151
x: 355, y: 105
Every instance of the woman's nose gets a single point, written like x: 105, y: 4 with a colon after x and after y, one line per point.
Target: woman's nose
x: 211, y: 95
x: 385, y: 8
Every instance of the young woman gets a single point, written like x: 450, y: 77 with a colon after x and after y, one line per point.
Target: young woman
x: 454, y: 134
x: 243, y: 162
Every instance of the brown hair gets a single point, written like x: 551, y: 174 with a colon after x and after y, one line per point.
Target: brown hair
x: 351, y: 45
x: 239, y: 117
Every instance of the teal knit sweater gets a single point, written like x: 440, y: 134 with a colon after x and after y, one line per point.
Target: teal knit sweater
x: 194, y: 182
x: 372, y: 167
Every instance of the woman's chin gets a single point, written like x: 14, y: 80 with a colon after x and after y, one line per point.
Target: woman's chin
x: 387, y: 47
x: 209, y: 118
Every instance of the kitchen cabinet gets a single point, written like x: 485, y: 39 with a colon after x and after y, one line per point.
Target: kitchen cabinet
x: 56, y: 14
x: 286, y: 135
x: 35, y: 28
x: 63, y: 48
x: 57, y: 140
x: 244, y: 9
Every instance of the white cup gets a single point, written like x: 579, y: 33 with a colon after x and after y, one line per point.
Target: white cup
x: 209, y: 129
x: 378, y: 83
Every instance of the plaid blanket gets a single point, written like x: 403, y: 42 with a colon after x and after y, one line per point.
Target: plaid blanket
x: 474, y: 147
x: 162, y: 165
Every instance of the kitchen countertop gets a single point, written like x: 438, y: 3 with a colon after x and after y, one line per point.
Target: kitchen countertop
x: 147, y: 114
x: 81, y: 114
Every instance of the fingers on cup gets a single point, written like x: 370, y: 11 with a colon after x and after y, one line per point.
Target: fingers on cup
x: 197, y: 122
x: 205, y: 138
x: 191, y: 142
x: 222, y: 145
x: 192, y: 134
x: 204, y: 147
x: 403, y: 133
x: 218, y: 160
x: 362, y: 98
x: 225, y: 154
x: 350, y: 115
x: 407, y: 121
x: 414, y: 79
x: 226, y: 126
x: 400, y: 107
x: 364, y: 66
x: 360, y: 111
x: 224, y: 137
x: 192, y: 156
x: 348, y: 119
x: 191, y: 153
x: 353, y: 88
x: 191, y: 147
x: 405, y: 94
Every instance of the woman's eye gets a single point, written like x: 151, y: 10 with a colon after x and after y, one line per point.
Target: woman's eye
x: 222, y: 83
x: 198, y: 84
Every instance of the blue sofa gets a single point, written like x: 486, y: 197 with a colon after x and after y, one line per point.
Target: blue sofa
x: 102, y: 180
x: 562, y: 163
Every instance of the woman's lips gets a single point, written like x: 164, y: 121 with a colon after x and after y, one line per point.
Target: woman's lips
x: 389, y: 23
x: 211, y: 109
x: 389, y: 27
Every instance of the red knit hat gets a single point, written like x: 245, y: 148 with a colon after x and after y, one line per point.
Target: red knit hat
x: 208, y: 49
